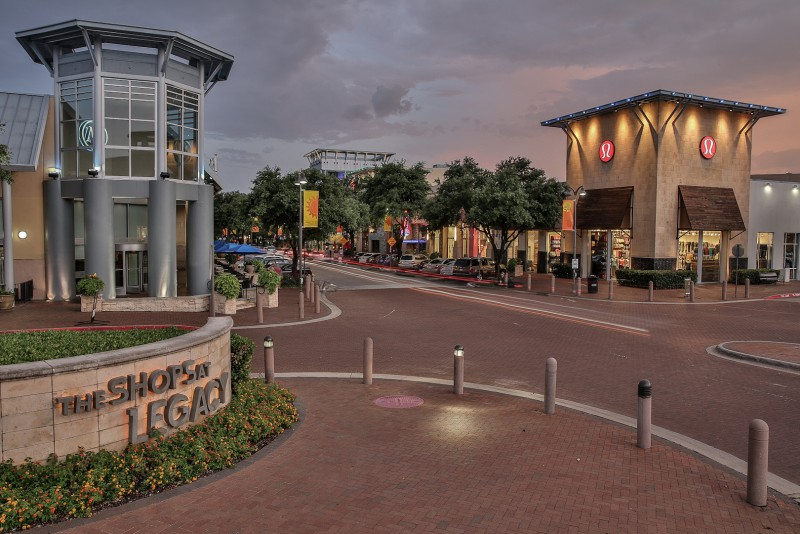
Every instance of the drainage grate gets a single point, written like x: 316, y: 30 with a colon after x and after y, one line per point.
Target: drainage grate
x: 398, y: 401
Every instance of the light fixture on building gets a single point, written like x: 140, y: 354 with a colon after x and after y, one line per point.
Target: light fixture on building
x: 22, y: 234
x: 768, y: 186
x: 93, y: 172
x: 54, y: 174
x: 164, y: 175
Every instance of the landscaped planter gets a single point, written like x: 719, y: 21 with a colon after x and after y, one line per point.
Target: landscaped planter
x: 7, y: 302
x: 272, y: 300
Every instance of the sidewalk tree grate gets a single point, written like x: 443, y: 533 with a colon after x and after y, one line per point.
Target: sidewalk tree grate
x: 398, y: 401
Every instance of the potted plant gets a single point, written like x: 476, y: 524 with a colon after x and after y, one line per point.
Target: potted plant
x: 250, y: 266
x: 514, y: 267
x: 90, y: 287
x: 6, y: 299
x: 270, y: 281
x: 229, y: 287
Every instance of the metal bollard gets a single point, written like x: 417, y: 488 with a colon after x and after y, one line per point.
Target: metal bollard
x: 650, y: 291
x: 691, y: 291
x: 316, y: 298
x: 552, y: 284
x: 643, y: 419
x: 301, y: 304
x: 610, y: 289
x: 578, y: 286
x: 550, y: 386
x: 368, y: 361
x: 269, y: 360
x: 312, y: 291
x: 458, y: 370
x: 724, y: 290
x: 757, y: 463
x: 528, y: 282
x: 747, y: 288
x: 308, y: 286
x: 260, y: 304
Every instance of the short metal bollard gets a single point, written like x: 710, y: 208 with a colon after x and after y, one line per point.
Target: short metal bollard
x: 301, y: 304
x: 643, y: 418
x: 691, y: 291
x: 458, y: 370
x: 757, y: 463
x: 724, y: 290
x: 552, y: 284
x: 650, y: 291
x: 550, y: 386
x: 269, y: 360
x: 316, y: 298
x: 610, y: 289
x: 528, y: 282
x: 368, y: 361
x: 747, y: 288
x: 308, y: 286
x: 578, y: 286
x: 260, y: 304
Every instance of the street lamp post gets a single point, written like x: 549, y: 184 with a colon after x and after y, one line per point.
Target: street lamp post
x: 301, y: 181
x: 579, y: 192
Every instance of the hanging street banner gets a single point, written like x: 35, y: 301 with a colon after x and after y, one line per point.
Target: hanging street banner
x: 568, y: 215
x: 310, y: 209
x: 387, y: 224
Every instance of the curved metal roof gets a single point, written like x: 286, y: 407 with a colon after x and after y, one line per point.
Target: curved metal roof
x: 40, y: 43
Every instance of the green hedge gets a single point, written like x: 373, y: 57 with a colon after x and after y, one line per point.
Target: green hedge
x: 754, y: 275
x: 667, y: 279
x: 561, y: 270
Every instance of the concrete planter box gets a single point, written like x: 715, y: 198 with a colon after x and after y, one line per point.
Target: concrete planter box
x: 6, y: 302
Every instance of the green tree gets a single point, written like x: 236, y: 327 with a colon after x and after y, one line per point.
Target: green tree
x: 397, y: 192
x: 516, y: 197
x: 232, y: 211
x: 338, y: 206
x: 275, y: 200
x: 5, y: 159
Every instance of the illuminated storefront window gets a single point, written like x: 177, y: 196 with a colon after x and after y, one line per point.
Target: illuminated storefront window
x: 790, y: 253
x: 182, y: 133
x: 764, y: 250
x: 77, y: 128
x: 620, y: 252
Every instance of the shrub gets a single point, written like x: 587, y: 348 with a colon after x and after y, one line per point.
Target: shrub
x: 228, y: 285
x: 290, y: 281
x: 512, y: 264
x: 561, y: 270
x: 4, y: 291
x: 90, y: 285
x: 241, y: 358
x: 268, y: 279
x: 665, y: 279
x: 754, y: 275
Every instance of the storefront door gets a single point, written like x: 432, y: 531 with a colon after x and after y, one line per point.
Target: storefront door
x: 130, y: 266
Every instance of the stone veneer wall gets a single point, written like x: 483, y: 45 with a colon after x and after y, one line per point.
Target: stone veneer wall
x: 33, y: 425
x: 197, y: 303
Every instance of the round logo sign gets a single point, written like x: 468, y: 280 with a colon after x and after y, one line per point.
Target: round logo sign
x: 606, y: 151
x: 708, y: 147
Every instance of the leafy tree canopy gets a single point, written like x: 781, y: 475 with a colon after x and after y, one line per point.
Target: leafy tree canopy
x: 5, y: 159
x: 232, y: 211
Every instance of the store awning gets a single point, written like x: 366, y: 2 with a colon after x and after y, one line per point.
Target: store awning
x: 605, y: 209
x: 708, y: 208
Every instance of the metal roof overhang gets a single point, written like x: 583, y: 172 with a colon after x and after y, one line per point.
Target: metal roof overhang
x: 605, y: 209
x: 708, y: 208
x: 40, y: 43
x: 661, y: 95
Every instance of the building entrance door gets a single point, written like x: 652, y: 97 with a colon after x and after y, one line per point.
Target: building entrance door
x: 130, y: 265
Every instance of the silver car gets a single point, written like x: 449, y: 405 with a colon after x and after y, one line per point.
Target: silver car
x: 412, y: 261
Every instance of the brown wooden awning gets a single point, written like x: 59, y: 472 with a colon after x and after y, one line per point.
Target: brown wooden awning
x: 605, y: 209
x: 708, y: 208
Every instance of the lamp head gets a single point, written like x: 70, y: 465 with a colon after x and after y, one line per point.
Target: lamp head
x: 268, y: 343
x: 458, y: 350
x: 93, y: 172
x: 164, y: 175
x: 54, y: 174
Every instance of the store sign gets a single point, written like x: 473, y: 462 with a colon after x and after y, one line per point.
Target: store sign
x: 606, y: 151
x: 86, y: 134
x: 175, y: 410
x: 708, y: 147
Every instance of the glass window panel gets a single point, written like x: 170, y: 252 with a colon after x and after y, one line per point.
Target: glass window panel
x: 190, y: 118
x: 117, y: 162
x: 80, y: 233
x: 116, y: 108
x: 143, y: 133
x: 85, y: 162
x: 173, y: 136
x: 68, y: 111
x: 120, y: 221
x: 173, y: 114
x: 117, y: 131
x: 190, y: 168
x: 174, y: 165
x: 69, y: 138
x: 143, y: 163
x: 80, y: 252
x: 143, y: 110
x: 85, y: 111
x: 137, y: 221
x: 69, y: 164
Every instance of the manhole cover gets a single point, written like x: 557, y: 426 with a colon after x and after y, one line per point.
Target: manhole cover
x: 398, y: 401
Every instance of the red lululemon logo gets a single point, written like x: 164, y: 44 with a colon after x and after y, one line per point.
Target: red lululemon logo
x: 708, y: 147
x: 606, y: 151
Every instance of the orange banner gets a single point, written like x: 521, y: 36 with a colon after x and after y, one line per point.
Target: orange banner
x: 387, y: 224
x: 310, y: 209
x: 568, y: 215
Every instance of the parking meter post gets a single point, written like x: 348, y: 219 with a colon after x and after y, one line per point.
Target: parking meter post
x: 550, y: 386
x: 269, y: 360
x: 458, y: 370
x: 301, y: 304
x: 528, y: 282
x: 368, y: 361
x: 650, y: 291
x: 643, y: 419
x: 316, y: 298
x: 747, y: 288
x: 757, y: 462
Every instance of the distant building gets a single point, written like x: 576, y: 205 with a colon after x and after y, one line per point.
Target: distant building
x: 341, y: 162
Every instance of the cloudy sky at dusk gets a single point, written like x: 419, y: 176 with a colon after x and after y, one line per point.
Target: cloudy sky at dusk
x: 437, y: 80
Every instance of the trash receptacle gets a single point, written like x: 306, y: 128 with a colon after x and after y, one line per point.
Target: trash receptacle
x: 592, y: 284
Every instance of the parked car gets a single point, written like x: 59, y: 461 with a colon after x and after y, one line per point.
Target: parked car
x: 364, y: 257
x: 435, y: 266
x: 412, y: 261
x: 388, y: 259
x: 447, y: 268
x: 474, y: 267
